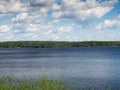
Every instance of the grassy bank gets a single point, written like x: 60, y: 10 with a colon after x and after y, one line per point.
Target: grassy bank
x: 8, y: 83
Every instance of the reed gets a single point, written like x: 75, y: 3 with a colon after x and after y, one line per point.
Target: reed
x: 9, y: 83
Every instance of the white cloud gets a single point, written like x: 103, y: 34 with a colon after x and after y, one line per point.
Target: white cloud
x: 9, y: 37
x: 84, y: 11
x: 44, y: 10
x: 66, y: 28
x: 11, y: 6
x: 37, y: 27
x: 109, y: 24
x: 56, y: 7
x: 37, y: 11
x: 58, y: 31
x: 42, y: 3
x: 17, y: 6
x: 72, y: 9
x: 31, y: 28
x: 68, y: 37
x: 55, y: 37
x: 56, y: 21
x: 34, y: 18
x: 31, y: 35
x: 48, y: 32
x: 20, y: 17
x: 4, y: 28
x: 57, y: 14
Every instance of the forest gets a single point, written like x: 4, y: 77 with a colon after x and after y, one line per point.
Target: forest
x: 57, y: 44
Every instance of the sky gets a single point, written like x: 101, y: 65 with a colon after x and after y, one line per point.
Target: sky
x: 59, y: 20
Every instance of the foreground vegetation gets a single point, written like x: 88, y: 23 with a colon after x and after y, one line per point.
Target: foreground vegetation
x: 8, y: 83
x: 52, y: 44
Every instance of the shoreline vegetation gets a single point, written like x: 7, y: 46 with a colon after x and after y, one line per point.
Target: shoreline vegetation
x: 8, y: 83
x: 57, y: 44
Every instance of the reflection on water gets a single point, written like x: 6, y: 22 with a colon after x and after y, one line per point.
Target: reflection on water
x: 95, y: 66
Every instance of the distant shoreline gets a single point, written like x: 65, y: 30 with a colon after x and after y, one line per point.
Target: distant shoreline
x: 58, y: 44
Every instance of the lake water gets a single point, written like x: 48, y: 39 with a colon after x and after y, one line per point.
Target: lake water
x: 90, y: 66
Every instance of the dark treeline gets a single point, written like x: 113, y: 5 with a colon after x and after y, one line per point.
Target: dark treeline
x: 55, y: 44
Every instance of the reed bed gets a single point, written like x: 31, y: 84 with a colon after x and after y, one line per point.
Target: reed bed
x: 9, y: 83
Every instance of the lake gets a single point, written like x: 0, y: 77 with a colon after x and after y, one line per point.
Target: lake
x: 94, y: 67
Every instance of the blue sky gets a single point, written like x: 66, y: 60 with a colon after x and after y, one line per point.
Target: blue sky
x: 60, y: 20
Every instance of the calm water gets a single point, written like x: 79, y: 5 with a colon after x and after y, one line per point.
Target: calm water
x: 89, y: 66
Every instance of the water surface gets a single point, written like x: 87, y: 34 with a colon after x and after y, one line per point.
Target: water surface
x: 89, y: 66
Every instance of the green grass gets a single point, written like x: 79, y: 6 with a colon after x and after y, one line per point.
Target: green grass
x: 8, y: 83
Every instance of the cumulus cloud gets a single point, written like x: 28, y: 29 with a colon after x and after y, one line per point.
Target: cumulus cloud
x: 53, y: 18
x: 31, y: 35
x: 9, y: 37
x: 48, y: 32
x: 60, y: 32
x: 37, y: 10
x: 4, y: 28
x: 12, y: 6
x: 42, y: 3
x: 31, y: 28
x: 20, y: 17
x: 83, y: 11
x: 66, y: 28
x: 38, y: 27
x: 72, y: 9
x: 109, y: 24
x: 56, y: 7
x: 55, y: 37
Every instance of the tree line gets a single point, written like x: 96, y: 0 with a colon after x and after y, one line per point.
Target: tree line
x: 57, y: 44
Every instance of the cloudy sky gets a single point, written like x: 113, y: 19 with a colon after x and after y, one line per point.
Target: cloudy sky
x: 60, y: 20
